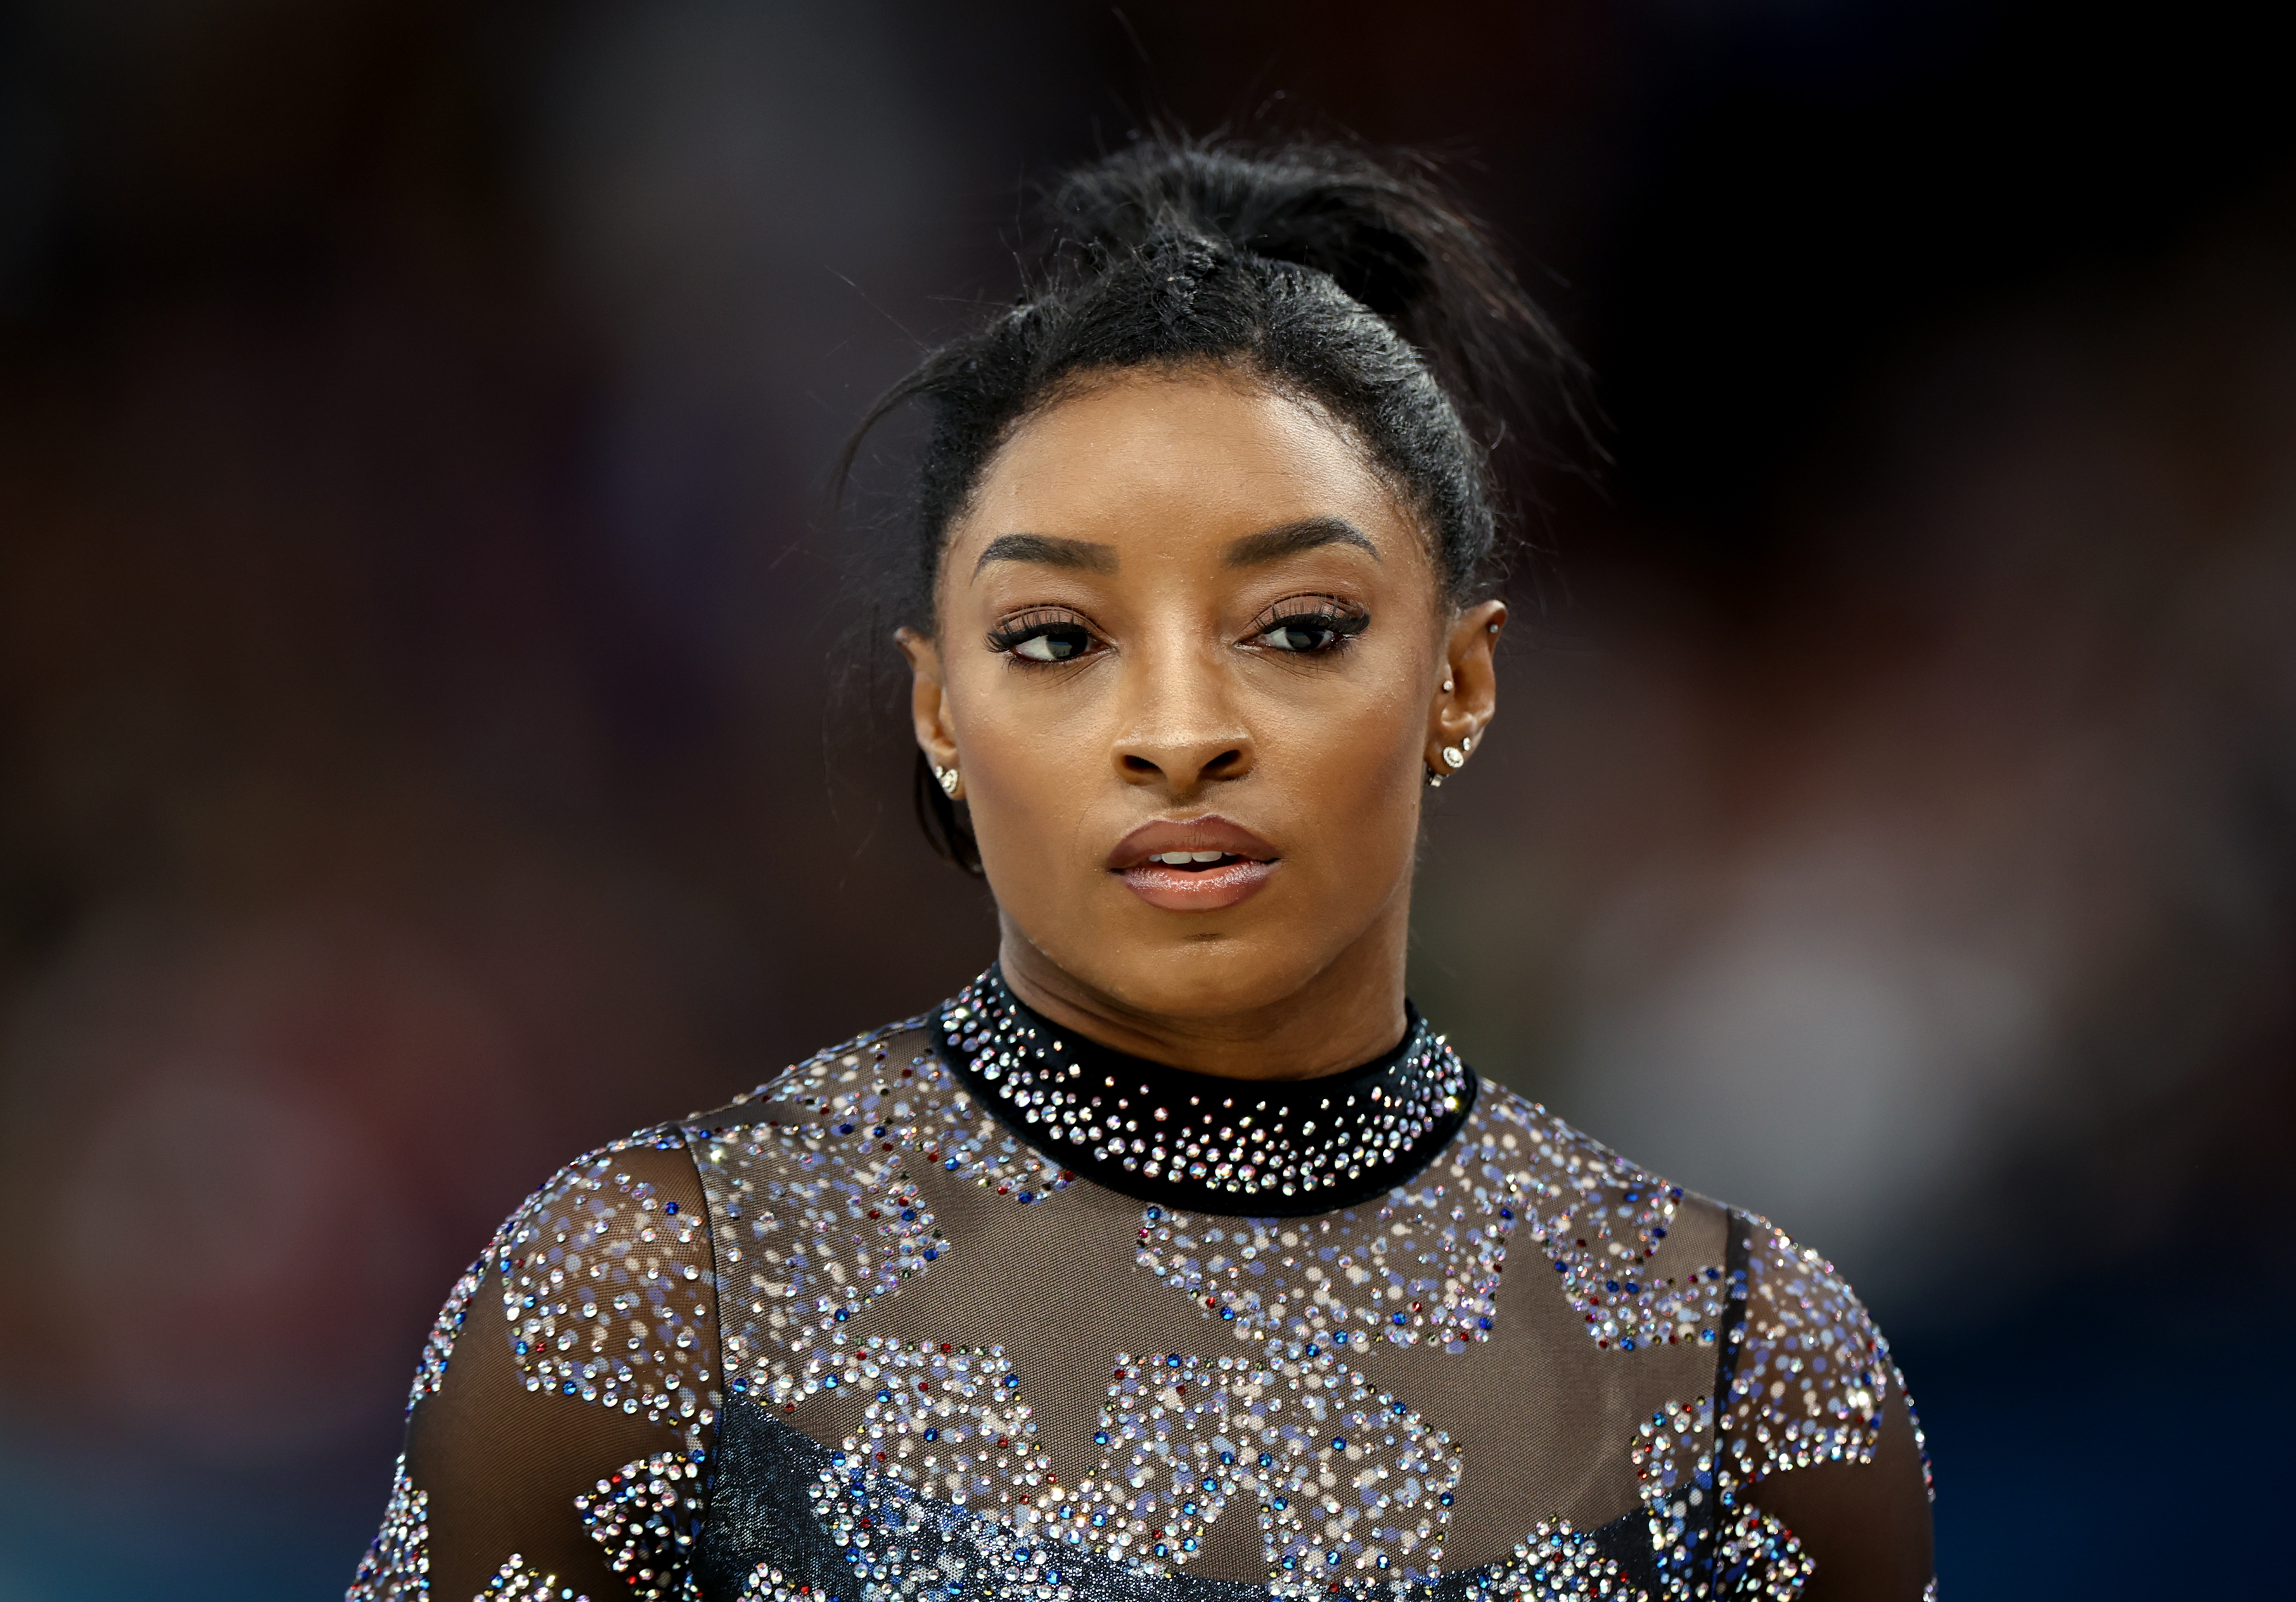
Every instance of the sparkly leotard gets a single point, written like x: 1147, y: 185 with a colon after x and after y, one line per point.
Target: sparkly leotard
x: 966, y: 1310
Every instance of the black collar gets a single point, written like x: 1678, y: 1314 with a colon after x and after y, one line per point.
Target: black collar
x: 1273, y: 1148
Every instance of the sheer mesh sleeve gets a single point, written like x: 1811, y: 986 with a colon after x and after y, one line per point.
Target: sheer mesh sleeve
x: 1825, y: 1476
x: 566, y: 1403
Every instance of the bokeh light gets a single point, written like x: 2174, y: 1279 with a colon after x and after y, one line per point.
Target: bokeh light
x: 441, y: 727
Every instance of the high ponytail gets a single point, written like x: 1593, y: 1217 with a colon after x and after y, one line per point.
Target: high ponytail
x: 1390, y: 237
x: 1362, y: 287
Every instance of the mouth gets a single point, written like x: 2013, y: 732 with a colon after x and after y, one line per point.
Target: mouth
x: 1194, y: 865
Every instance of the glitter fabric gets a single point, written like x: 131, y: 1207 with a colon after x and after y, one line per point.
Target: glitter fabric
x: 1674, y: 1467
x: 946, y: 1420
x: 601, y: 1305
x: 902, y: 1325
x: 647, y: 1515
x: 818, y: 1214
x: 1758, y: 1559
x: 1280, y: 1148
x: 397, y: 1561
x: 1424, y: 1262
x: 1558, y: 1563
x: 1359, y: 1274
x: 1351, y: 1483
x: 1600, y: 1221
x: 518, y: 1580
x: 431, y: 1369
x: 1811, y: 1371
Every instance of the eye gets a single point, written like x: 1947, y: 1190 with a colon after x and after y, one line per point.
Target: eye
x: 1054, y: 645
x: 1044, y: 638
x: 1303, y: 633
x: 1309, y: 627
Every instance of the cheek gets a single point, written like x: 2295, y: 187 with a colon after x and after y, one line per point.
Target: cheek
x: 1026, y: 772
x: 1350, y: 763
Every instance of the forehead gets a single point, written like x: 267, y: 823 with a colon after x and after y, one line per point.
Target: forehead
x: 1174, y: 462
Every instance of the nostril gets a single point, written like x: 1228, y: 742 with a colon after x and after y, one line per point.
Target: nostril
x: 1138, y: 765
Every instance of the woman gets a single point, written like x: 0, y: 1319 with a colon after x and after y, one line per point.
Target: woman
x: 1165, y: 1259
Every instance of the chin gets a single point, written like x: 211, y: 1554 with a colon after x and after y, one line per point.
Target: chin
x: 1208, y: 976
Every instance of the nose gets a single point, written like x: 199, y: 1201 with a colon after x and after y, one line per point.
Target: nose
x: 1180, y: 734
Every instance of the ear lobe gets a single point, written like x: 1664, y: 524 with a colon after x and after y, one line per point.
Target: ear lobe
x: 1469, y: 697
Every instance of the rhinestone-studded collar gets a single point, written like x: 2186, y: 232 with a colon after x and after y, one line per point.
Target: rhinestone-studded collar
x: 1265, y: 1148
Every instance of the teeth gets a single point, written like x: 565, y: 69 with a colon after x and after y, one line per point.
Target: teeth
x: 1186, y: 859
x: 1206, y: 855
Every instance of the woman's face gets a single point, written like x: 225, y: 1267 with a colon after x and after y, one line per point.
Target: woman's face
x: 1190, y: 664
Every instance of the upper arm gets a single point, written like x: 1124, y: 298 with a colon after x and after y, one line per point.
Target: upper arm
x: 1864, y: 1526
x: 1819, y: 1436
x: 569, y: 1392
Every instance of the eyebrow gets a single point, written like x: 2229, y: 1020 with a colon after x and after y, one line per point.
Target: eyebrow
x: 1289, y: 540
x: 1051, y: 550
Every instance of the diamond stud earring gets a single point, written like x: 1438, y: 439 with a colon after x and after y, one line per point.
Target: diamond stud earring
x: 949, y: 782
x: 1454, y: 758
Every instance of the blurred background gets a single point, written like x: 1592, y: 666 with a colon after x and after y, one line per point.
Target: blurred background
x: 419, y: 621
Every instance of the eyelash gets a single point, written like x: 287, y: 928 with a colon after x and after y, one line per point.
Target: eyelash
x: 1342, y: 621
x: 1039, y: 623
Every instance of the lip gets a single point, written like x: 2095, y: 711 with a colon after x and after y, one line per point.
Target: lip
x: 1194, y: 890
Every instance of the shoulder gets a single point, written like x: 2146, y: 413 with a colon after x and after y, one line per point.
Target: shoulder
x: 1598, y: 1211
x: 860, y: 1119
x: 1647, y: 1260
x: 826, y: 1186
x: 610, y: 1272
x: 1821, y: 1449
x: 573, y: 1359
x: 847, y: 1071
x: 611, y: 1249
x: 1810, y: 1374
x: 1787, y: 1314
x: 1562, y: 1161
x: 1804, y: 1381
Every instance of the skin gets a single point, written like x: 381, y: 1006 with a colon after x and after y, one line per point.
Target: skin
x: 1162, y: 523
x: 1170, y: 522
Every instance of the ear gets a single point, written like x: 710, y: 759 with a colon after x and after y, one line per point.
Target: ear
x: 928, y: 699
x: 1466, y: 686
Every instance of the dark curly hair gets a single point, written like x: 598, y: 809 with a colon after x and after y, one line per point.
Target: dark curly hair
x: 1360, y: 286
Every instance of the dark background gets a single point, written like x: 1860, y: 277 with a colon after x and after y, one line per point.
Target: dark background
x: 418, y: 621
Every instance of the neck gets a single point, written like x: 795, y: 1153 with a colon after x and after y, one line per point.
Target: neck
x: 1157, y: 1133
x: 1349, y: 1013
